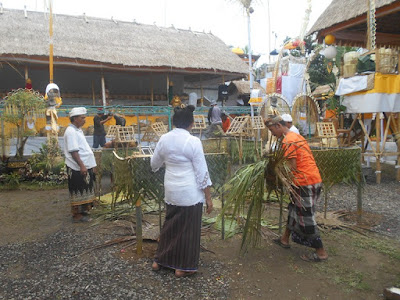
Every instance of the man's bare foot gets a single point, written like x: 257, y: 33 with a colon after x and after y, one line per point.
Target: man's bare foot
x: 180, y: 273
x: 155, y: 266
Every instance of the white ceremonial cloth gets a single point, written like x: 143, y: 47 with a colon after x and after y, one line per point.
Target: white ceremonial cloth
x: 351, y: 85
x: 291, y: 86
x: 186, y: 173
x: 74, y: 140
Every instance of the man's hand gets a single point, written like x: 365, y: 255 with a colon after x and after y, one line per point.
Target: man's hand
x: 84, y: 170
x: 209, y: 205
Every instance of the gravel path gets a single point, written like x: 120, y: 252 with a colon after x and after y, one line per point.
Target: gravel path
x: 54, y: 269
x: 382, y: 199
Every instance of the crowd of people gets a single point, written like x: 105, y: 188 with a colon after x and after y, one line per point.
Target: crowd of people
x: 187, y: 184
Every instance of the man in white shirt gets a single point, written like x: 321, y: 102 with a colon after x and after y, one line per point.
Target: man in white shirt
x: 80, y: 162
x: 289, y: 123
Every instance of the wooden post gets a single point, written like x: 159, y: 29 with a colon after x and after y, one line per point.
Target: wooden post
x: 396, y: 126
x: 103, y: 91
x: 325, y: 200
x: 139, y: 236
x: 201, y: 91
x: 240, y: 150
x: 378, y: 147
x: 362, y: 139
x: 223, y: 215
x: 93, y: 94
x: 152, y: 90
x: 280, y: 210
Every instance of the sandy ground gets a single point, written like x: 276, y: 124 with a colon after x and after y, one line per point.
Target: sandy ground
x: 43, y: 255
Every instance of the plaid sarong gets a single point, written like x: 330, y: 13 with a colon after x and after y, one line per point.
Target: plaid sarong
x: 301, y: 219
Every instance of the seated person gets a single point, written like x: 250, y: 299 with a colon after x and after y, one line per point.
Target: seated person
x: 226, y: 122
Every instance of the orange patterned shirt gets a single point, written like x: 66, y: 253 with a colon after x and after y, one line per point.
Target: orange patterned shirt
x: 307, y: 171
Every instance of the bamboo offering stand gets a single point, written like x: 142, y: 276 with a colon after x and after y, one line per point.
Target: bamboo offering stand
x: 124, y: 136
x: 154, y: 132
x: 199, y: 124
x: 241, y: 127
x: 327, y: 133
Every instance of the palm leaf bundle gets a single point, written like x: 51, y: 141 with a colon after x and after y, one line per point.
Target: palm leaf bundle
x: 245, y: 191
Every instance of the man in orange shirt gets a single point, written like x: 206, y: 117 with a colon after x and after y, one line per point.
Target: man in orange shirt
x: 301, y: 222
x: 226, y: 122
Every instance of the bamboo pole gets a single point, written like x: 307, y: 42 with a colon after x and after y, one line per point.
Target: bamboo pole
x: 51, y: 42
x: 280, y: 210
x: 139, y: 236
x: 378, y: 147
x: 386, y: 132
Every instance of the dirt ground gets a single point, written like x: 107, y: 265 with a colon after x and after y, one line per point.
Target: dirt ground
x: 359, y: 267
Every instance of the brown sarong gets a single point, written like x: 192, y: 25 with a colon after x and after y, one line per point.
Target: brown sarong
x: 179, y: 246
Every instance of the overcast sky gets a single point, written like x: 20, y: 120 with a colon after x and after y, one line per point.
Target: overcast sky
x: 224, y: 18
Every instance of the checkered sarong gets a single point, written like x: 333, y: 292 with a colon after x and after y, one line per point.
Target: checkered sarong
x: 301, y: 218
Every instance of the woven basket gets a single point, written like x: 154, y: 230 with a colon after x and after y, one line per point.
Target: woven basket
x: 386, y: 61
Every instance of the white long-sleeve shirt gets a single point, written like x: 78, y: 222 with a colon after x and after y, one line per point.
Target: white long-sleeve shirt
x: 186, y: 173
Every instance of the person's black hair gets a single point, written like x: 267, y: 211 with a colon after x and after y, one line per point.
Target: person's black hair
x: 72, y: 119
x: 183, y: 117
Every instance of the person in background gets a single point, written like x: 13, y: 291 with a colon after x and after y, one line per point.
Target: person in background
x: 119, y: 120
x: 289, y: 123
x: 81, y: 163
x: 226, y: 122
x: 214, y: 118
x: 187, y: 186
x: 99, y: 133
x: 301, y: 223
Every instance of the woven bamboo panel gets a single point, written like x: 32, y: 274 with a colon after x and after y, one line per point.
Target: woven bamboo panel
x: 326, y: 130
x: 240, y: 126
x: 159, y: 128
x: 199, y: 122
x: 154, y: 132
x: 257, y: 122
x: 112, y: 131
x: 125, y: 134
x: 150, y: 135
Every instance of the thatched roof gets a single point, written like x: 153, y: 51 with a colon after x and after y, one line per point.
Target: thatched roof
x: 243, y: 87
x: 346, y: 19
x: 124, y: 44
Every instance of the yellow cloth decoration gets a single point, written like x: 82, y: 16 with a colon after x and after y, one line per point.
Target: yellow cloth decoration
x: 383, y: 84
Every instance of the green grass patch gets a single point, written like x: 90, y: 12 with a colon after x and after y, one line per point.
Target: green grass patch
x: 383, y: 245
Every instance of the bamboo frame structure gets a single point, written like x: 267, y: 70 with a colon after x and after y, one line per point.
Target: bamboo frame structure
x: 154, y: 132
x: 393, y: 123
x: 199, y: 124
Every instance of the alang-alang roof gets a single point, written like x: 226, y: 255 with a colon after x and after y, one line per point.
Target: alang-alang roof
x: 80, y: 40
x: 347, y: 21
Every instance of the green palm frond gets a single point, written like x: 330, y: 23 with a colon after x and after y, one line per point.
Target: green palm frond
x: 246, y: 189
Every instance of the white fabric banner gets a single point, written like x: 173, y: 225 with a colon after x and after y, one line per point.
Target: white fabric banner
x: 351, y: 85
x: 291, y: 86
x: 370, y: 103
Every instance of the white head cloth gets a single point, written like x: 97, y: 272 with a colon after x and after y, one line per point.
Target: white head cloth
x: 51, y: 86
x: 287, y: 118
x: 77, y: 111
